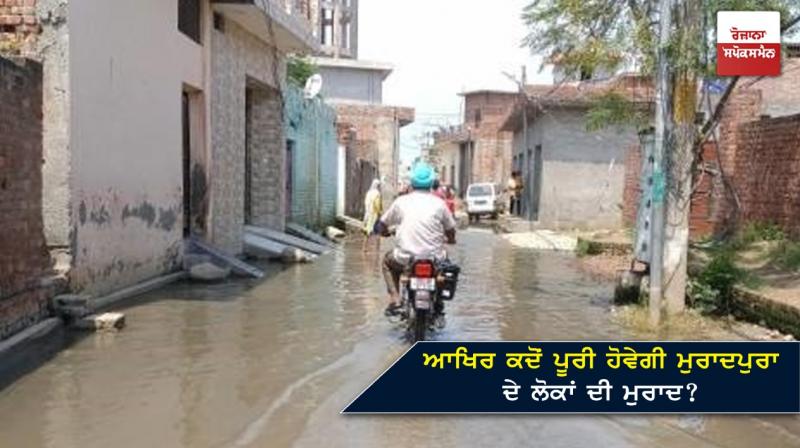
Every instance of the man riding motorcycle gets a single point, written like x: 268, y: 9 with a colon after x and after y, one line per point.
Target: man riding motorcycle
x: 423, y: 226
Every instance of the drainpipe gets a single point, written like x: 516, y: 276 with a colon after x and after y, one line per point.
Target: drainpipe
x: 318, y: 153
x: 525, y: 148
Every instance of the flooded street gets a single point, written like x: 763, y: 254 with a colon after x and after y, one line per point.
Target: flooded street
x: 272, y: 363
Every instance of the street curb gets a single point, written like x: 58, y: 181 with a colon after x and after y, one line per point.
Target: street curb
x: 135, y: 290
x: 751, y: 306
x: 31, y: 333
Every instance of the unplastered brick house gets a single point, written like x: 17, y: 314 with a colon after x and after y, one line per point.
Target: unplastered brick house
x: 24, y: 260
x: 756, y: 151
x: 18, y: 27
x: 479, y: 150
x: 162, y: 119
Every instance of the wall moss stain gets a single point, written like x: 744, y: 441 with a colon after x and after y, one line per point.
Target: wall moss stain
x: 100, y: 216
x: 82, y: 213
x: 167, y: 218
x: 144, y: 211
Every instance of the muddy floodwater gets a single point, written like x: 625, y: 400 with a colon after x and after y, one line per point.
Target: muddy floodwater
x: 271, y: 363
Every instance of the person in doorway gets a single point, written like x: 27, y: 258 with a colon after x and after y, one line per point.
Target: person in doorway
x: 373, y: 207
x: 423, y: 225
x: 514, y: 190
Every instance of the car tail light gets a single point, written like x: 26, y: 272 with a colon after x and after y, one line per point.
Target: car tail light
x: 424, y: 270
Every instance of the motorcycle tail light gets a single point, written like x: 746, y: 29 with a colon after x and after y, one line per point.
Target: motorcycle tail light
x: 424, y: 270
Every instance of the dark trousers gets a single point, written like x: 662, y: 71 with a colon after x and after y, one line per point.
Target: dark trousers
x: 513, y: 207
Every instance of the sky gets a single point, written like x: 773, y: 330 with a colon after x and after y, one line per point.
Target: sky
x: 440, y: 48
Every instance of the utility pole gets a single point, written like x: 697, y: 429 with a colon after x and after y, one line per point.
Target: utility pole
x: 525, y: 151
x: 662, y: 136
x: 521, y: 83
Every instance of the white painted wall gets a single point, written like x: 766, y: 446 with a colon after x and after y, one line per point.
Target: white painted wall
x: 341, y: 180
x: 128, y: 64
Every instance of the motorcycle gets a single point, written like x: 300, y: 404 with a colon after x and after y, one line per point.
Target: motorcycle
x: 425, y: 286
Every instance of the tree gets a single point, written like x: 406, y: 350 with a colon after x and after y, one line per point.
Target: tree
x: 607, y: 35
x: 298, y: 70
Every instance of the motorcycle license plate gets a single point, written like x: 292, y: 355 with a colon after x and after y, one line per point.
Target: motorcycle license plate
x: 423, y: 284
x: 422, y: 301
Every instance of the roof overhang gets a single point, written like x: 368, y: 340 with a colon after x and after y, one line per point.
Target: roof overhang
x: 346, y: 110
x: 382, y: 68
x: 488, y: 92
x: 271, y: 22
x: 513, y: 121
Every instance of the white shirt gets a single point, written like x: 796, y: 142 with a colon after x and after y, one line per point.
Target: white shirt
x: 421, y: 219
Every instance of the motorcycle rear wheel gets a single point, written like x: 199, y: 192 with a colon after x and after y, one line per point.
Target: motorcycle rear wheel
x: 420, y: 325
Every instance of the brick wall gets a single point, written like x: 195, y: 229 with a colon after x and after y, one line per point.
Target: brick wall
x: 484, y: 113
x: 767, y: 173
x: 745, y: 105
x: 18, y: 27
x: 267, y: 152
x: 23, y: 255
x: 708, y: 195
x: 373, y: 130
x: 633, y: 191
x: 711, y: 206
x: 241, y: 58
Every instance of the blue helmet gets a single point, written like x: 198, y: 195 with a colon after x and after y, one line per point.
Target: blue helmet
x: 422, y: 176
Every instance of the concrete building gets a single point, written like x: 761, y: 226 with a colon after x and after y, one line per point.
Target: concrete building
x: 574, y: 177
x: 453, y: 155
x: 336, y: 26
x: 478, y: 150
x: 369, y: 131
x: 351, y: 80
x: 162, y: 120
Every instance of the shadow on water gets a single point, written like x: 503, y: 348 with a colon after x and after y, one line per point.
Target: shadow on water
x: 272, y: 362
x: 29, y: 356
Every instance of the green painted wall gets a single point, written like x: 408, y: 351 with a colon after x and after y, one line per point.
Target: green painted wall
x: 311, y: 131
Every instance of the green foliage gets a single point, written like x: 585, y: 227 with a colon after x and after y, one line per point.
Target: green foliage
x: 582, y: 35
x: 587, y: 248
x: 612, y: 109
x: 786, y: 255
x: 298, y: 70
x: 590, y: 36
x: 711, y: 290
x: 703, y: 296
x: 755, y: 232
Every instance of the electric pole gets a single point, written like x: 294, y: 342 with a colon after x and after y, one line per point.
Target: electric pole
x: 662, y: 137
x: 526, y: 151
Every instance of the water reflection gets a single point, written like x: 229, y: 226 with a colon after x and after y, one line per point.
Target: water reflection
x: 272, y: 363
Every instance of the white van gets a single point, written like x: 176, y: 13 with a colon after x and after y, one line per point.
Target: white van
x: 484, y: 200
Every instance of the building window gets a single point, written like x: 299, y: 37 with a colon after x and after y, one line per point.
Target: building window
x: 327, y: 26
x: 478, y: 117
x: 219, y: 22
x: 189, y: 18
